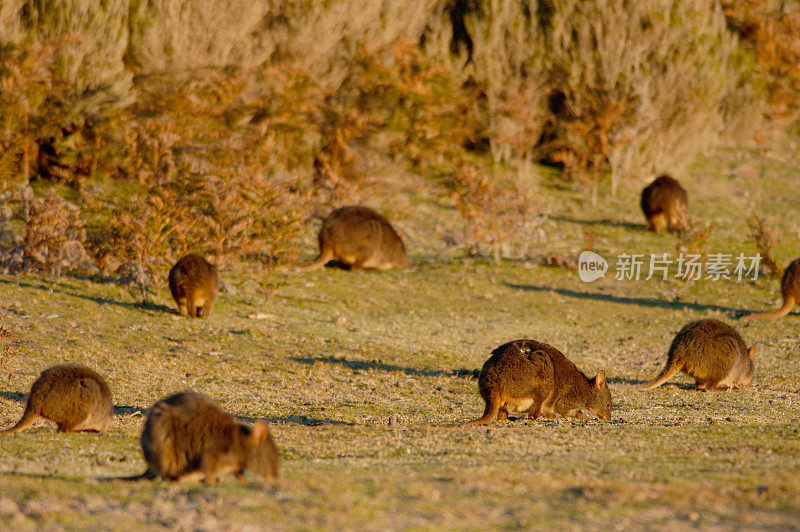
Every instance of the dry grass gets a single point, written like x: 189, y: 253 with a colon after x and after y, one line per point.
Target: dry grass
x: 359, y: 375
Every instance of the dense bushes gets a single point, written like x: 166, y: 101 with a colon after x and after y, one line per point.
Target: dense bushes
x: 218, y: 126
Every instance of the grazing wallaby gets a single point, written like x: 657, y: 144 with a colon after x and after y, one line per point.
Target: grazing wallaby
x: 187, y: 435
x: 664, y: 204
x: 193, y: 283
x: 529, y: 376
x: 75, y: 397
x: 790, y: 289
x: 710, y: 351
x: 359, y: 239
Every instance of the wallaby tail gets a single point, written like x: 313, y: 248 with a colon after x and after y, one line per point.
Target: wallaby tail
x: 28, y: 417
x: 489, y: 414
x: 788, y: 303
x: 325, y: 256
x: 667, y: 373
x: 149, y: 474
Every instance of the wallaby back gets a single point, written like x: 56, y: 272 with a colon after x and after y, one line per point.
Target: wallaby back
x: 359, y: 238
x: 712, y: 352
x: 193, y: 283
x: 75, y: 397
x: 533, y: 377
x: 187, y: 434
x: 790, y: 289
x: 664, y: 202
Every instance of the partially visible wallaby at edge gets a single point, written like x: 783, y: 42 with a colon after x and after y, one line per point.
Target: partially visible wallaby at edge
x: 359, y: 239
x: 193, y: 283
x: 664, y: 203
x: 529, y: 376
x: 75, y: 397
x: 187, y: 435
x: 710, y: 351
x: 790, y: 289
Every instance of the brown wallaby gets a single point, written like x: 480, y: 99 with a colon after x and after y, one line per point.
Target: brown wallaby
x: 529, y: 376
x: 664, y: 203
x: 187, y: 435
x: 710, y: 351
x: 790, y: 289
x: 75, y: 397
x: 193, y: 283
x: 359, y: 239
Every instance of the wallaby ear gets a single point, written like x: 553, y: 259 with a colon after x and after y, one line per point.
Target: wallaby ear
x: 260, y: 433
x: 751, y: 351
x: 599, y: 380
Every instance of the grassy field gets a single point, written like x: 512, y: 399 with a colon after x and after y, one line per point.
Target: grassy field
x: 360, y: 375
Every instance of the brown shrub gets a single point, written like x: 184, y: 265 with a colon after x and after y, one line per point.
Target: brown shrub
x: 771, y: 30
x: 502, y: 218
x: 53, y: 233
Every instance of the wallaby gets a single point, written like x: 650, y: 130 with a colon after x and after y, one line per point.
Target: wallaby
x: 359, y: 239
x: 790, y: 288
x: 710, y: 351
x: 193, y: 283
x: 529, y: 376
x: 75, y: 397
x: 187, y: 435
x: 664, y: 203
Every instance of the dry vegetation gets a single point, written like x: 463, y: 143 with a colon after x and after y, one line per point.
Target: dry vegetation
x: 122, y: 101
x: 133, y: 132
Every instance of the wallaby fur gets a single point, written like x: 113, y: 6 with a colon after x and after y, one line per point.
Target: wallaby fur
x: 790, y: 289
x: 74, y: 397
x: 710, y: 351
x: 193, y: 283
x: 359, y: 239
x: 187, y: 435
x: 532, y: 377
x: 664, y: 202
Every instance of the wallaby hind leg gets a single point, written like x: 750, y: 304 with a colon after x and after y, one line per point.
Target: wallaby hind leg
x: 489, y: 413
x: 206, y: 309
x: 28, y: 417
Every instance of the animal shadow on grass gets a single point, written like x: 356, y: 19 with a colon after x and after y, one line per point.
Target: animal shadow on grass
x: 15, y: 396
x: 641, y: 301
x: 625, y: 383
x: 366, y: 364
x: 294, y: 419
x: 605, y: 221
x: 63, y: 288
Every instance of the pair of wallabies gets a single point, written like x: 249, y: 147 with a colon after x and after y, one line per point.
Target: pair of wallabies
x: 356, y: 237
x: 185, y: 435
x: 530, y: 377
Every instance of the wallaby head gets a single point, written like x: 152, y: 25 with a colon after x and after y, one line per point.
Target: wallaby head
x: 264, y: 458
x: 599, y: 401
